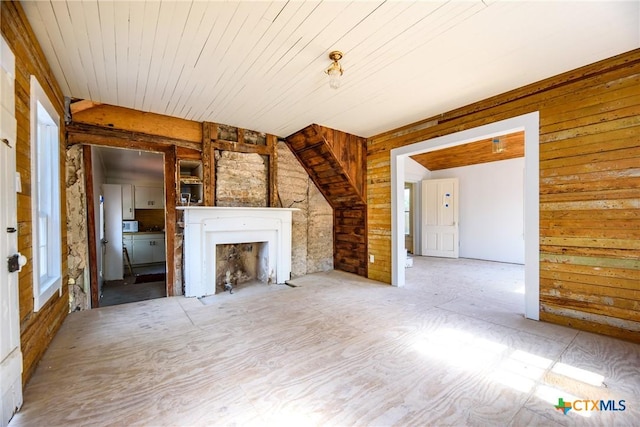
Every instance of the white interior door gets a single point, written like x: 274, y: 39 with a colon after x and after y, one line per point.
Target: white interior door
x: 440, y: 217
x: 10, y: 354
x: 112, y: 242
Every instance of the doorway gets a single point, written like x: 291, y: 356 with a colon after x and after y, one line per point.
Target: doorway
x: 409, y: 216
x: 129, y: 197
x: 529, y: 123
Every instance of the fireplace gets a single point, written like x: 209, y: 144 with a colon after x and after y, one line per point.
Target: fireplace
x: 239, y: 263
x: 205, y: 228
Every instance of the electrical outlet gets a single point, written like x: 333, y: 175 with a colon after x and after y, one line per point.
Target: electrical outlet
x: 371, y: 258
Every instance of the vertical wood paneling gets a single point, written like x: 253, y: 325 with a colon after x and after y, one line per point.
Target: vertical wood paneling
x: 589, y: 190
x: 36, y: 328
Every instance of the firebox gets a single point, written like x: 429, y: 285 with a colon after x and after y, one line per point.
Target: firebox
x: 206, y: 228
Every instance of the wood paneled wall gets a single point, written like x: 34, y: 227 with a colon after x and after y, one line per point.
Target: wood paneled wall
x: 589, y: 190
x: 36, y: 328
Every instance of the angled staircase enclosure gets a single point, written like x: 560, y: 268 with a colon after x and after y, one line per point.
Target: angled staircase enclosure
x: 336, y: 162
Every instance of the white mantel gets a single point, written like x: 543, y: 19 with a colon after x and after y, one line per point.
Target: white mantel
x: 205, y: 227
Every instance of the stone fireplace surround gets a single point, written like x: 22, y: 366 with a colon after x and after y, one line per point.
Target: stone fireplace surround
x: 206, y: 227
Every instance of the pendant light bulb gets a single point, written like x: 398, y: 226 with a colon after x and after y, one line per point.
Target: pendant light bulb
x: 335, y: 70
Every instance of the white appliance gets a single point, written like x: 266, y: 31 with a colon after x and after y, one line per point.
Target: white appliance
x: 129, y: 226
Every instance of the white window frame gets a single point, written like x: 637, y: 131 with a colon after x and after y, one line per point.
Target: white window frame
x: 45, y: 118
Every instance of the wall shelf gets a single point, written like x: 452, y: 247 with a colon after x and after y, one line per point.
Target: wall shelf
x: 190, y: 191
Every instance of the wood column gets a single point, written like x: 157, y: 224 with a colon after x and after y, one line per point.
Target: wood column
x: 94, y: 286
x: 208, y: 163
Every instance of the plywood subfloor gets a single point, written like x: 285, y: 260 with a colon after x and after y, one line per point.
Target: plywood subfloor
x: 448, y: 349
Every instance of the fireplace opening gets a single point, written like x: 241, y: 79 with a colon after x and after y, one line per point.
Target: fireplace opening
x: 242, y: 263
x: 207, y: 227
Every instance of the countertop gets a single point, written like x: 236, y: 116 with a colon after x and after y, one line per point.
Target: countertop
x: 142, y: 232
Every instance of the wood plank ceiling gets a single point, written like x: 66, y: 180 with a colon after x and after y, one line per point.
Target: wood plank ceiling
x: 259, y: 65
x: 472, y: 153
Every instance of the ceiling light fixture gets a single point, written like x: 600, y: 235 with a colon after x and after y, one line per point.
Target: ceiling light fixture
x: 335, y: 70
x: 497, y: 145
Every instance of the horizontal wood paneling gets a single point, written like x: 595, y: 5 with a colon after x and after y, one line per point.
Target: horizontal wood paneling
x: 589, y: 190
x: 36, y: 328
x: 350, y: 239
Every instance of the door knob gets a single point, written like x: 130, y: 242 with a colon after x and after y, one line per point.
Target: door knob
x: 16, y: 262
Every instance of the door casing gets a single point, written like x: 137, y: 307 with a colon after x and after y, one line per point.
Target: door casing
x: 530, y: 124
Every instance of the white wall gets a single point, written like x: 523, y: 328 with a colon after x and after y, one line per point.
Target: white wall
x: 491, y: 202
x: 99, y: 177
x: 414, y: 172
x: 113, y: 268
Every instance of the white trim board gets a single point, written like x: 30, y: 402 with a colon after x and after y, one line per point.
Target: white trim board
x: 529, y: 123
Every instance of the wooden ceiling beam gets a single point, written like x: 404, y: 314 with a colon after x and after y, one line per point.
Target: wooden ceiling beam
x: 81, y: 105
x: 82, y: 133
x: 126, y: 119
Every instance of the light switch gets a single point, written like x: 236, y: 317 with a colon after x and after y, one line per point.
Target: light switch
x: 18, y: 183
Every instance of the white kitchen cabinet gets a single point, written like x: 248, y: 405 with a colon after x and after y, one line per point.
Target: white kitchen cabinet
x: 142, y: 252
x: 159, y: 251
x: 127, y: 249
x: 127, y: 242
x: 149, y: 197
x: 128, y: 202
x: 148, y: 248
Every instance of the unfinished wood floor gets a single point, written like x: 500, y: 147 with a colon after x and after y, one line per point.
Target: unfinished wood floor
x: 451, y: 348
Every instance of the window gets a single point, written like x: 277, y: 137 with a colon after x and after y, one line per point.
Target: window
x: 408, y: 217
x: 45, y: 197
